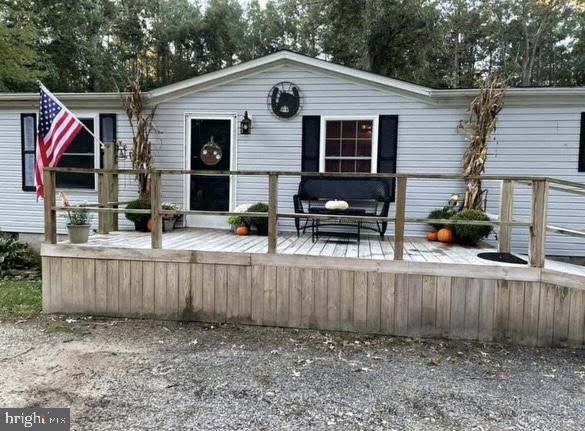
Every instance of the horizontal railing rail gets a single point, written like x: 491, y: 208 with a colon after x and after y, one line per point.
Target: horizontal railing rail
x: 537, y: 224
x: 413, y: 175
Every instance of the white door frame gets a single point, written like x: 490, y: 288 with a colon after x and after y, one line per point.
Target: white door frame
x: 209, y: 220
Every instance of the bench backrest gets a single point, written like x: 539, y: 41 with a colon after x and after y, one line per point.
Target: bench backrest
x: 348, y: 189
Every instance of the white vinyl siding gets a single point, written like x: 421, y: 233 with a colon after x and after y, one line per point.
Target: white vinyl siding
x: 19, y: 210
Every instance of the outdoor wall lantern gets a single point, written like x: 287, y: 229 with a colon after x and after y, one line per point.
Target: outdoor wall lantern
x: 245, y: 124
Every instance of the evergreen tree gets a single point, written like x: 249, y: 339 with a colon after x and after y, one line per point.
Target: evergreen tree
x: 19, y: 54
x: 102, y: 45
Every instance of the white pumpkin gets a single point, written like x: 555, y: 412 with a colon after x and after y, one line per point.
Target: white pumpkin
x: 336, y: 205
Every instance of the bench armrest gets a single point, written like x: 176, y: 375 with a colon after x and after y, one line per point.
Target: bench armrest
x: 298, y: 204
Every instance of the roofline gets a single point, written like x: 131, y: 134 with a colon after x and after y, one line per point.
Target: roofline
x: 28, y: 97
x: 517, y: 95
x: 274, y: 60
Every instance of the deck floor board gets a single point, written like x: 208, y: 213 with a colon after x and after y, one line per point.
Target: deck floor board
x: 416, y: 249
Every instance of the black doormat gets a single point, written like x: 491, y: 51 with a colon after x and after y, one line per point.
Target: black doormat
x: 502, y: 257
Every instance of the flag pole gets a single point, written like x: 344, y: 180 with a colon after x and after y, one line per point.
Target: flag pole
x: 40, y: 84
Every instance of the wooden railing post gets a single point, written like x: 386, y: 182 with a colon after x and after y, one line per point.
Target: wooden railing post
x: 272, y: 212
x: 50, y: 202
x: 155, y: 204
x: 111, y: 162
x: 506, y: 212
x: 400, y: 204
x: 103, y: 218
x: 536, y: 253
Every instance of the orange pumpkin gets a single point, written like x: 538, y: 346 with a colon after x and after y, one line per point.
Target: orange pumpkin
x: 445, y: 235
x: 242, y: 230
x: 432, y: 236
x: 150, y: 224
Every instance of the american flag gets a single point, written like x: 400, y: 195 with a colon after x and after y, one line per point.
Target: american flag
x: 57, y: 128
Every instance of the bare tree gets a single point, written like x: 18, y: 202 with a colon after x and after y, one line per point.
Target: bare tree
x: 533, y: 36
x: 484, y: 110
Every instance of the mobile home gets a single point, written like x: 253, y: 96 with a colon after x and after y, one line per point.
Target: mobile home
x: 328, y: 118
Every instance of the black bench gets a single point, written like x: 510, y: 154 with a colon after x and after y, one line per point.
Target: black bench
x: 372, y: 195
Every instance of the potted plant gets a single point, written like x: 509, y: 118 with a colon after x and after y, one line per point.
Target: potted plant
x: 470, y: 234
x: 238, y: 225
x: 439, y: 230
x: 140, y: 220
x: 78, y: 221
x: 260, y: 223
x: 169, y: 219
x: 236, y: 221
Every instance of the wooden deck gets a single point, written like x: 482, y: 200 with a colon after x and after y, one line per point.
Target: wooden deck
x: 216, y: 276
x: 416, y: 249
x: 397, y: 286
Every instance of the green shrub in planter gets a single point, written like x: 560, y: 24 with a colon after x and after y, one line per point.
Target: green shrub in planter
x: 261, y: 223
x: 441, y: 213
x: 470, y: 234
x: 140, y: 220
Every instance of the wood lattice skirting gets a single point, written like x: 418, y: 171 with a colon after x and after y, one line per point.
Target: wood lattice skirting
x: 492, y: 303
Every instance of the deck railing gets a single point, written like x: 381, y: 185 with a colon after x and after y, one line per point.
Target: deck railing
x: 107, y: 206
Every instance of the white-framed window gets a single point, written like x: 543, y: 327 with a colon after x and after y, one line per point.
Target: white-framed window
x: 83, y: 152
x: 349, y: 144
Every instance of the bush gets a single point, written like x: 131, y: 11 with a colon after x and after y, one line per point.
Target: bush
x: 441, y: 213
x: 15, y: 255
x: 261, y: 223
x: 235, y: 220
x: 140, y: 220
x: 470, y: 234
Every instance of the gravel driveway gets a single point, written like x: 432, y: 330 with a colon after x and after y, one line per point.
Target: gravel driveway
x: 136, y: 375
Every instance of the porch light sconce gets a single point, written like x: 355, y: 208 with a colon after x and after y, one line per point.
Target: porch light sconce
x: 245, y: 124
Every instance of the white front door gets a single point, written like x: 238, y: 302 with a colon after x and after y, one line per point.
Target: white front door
x: 210, y: 147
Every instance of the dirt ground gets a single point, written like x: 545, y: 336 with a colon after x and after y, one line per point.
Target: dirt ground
x: 139, y: 375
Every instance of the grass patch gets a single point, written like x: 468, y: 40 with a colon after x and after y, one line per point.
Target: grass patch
x: 20, y: 298
x: 62, y: 328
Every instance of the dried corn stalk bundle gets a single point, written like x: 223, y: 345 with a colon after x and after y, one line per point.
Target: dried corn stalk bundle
x: 142, y: 126
x: 484, y: 110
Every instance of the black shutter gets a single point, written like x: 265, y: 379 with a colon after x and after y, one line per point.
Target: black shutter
x: 581, y: 167
x: 108, y: 128
x: 387, y: 147
x: 108, y: 132
x: 28, y: 152
x: 311, y: 143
